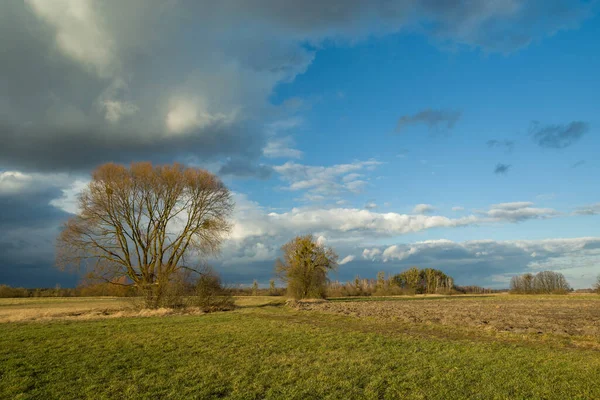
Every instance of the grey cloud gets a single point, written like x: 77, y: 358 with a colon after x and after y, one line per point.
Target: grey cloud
x: 558, y: 136
x: 578, y: 164
x: 502, y: 168
x: 508, y: 145
x: 242, y: 168
x: 591, y: 209
x: 28, y: 227
x: 518, y: 212
x: 435, y: 120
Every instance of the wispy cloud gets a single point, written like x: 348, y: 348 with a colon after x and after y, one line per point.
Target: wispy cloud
x: 321, y: 180
x: 558, y: 136
x: 435, y: 120
x: 502, y: 168
x: 591, y: 209
x: 508, y: 145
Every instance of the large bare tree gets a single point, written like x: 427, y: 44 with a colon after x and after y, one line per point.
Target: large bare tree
x: 141, y: 222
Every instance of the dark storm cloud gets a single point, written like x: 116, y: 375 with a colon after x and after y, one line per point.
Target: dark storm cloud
x: 28, y: 227
x: 502, y: 168
x: 82, y: 148
x: 435, y: 120
x: 558, y: 136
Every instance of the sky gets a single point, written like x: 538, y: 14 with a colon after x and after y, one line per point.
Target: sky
x: 458, y: 135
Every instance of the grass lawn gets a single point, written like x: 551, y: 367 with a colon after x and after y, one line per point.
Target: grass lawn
x: 270, y: 351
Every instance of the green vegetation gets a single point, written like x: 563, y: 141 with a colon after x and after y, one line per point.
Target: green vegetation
x: 270, y: 351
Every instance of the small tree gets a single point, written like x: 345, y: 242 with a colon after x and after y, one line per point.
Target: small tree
x: 141, y: 222
x: 272, y: 288
x: 255, y: 288
x: 597, y: 285
x: 304, y: 267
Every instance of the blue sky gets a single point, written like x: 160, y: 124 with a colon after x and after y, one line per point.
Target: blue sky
x: 455, y: 135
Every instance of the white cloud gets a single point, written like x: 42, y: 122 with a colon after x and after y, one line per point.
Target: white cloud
x: 518, y: 211
x: 423, y: 209
x: 371, y: 254
x: 371, y: 205
x: 322, y: 180
x: 347, y: 259
x: 189, y: 113
x: 458, y: 208
x: 69, y: 201
x: 16, y: 182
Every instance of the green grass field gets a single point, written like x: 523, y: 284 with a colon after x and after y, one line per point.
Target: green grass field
x: 270, y: 351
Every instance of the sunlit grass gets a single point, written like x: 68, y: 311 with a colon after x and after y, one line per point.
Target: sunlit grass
x: 275, y: 352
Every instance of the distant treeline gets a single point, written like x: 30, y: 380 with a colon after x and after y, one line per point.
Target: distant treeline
x: 100, y: 289
x: 119, y: 290
x: 545, y: 282
x: 409, y: 282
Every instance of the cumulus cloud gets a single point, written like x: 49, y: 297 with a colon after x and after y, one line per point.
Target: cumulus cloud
x: 458, y: 208
x: 502, y: 168
x: 558, y: 136
x: 137, y: 83
x: 435, y: 120
x: 423, y: 209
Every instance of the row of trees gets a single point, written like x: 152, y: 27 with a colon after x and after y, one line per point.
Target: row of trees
x: 544, y: 282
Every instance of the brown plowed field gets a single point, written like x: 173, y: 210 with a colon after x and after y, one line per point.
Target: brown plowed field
x: 562, y: 315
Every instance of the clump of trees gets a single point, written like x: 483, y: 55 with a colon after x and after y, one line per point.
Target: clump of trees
x: 409, y: 282
x: 380, y: 286
x: 544, y: 282
x: 304, y: 267
x: 144, y: 223
x: 424, y: 281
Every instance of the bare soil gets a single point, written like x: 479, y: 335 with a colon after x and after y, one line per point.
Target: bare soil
x: 557, y: 315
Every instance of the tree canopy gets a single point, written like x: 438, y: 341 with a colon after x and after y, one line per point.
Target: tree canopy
x: 141, y: 221
x: 304, y: 267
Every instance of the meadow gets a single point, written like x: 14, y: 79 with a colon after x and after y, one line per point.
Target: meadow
x: 477, y: 347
